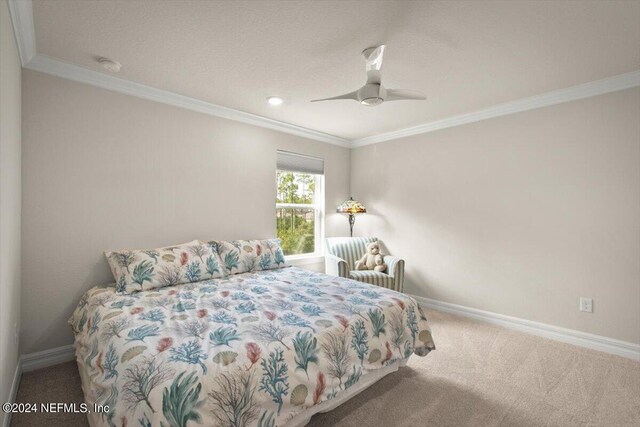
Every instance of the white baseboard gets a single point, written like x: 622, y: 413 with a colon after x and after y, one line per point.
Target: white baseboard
x: 13, y: 392
x: 45, y: 358
x: 570, y: 336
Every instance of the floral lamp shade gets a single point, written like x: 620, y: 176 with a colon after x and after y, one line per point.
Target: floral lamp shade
x: 351, y: 207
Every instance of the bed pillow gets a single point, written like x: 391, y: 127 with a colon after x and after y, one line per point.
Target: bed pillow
x: 144, y: 269
x: 241, y: 256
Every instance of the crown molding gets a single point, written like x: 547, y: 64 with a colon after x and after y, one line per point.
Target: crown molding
x: 80, y: 74
x: 21, y: 12
x: 22, y: 18
x: 598, y: 87
x: 55, y: 67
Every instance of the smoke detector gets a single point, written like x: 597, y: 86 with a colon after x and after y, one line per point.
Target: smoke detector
x: 110, y: 65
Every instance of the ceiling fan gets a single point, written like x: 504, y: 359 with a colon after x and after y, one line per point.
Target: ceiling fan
x: 373, y: 93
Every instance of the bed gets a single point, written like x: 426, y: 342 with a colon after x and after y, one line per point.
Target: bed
x: 260, y: 348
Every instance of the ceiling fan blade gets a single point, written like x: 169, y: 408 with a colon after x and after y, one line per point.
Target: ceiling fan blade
x: 402, y: 94
x: 351, y: 95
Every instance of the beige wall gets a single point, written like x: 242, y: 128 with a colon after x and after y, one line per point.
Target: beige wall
x: 519, y: 215
x: 103, y: 170
x: 10, y: 140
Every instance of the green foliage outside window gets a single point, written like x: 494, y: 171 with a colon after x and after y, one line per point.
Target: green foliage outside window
x: 296, y: 225
x: 298, y: 188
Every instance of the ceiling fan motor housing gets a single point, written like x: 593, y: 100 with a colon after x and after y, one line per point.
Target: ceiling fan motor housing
x: 372, y: 94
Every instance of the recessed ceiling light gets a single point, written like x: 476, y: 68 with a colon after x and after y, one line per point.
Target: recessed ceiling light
x: 110, y: 65
x: 274, y: 100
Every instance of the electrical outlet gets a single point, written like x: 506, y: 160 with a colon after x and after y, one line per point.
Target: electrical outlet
x: 586, y: 305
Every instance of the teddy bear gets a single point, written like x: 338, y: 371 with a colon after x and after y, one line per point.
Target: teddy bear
x: 372, y: 259
x: 380, y: 265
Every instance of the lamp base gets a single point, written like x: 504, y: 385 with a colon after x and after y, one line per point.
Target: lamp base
x: 352, y: 221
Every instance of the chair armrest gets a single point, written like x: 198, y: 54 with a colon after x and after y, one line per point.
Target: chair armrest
x: 395, y: 268
x: 336, y: 266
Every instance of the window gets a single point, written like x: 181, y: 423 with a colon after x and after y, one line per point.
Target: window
x: 299, y: 204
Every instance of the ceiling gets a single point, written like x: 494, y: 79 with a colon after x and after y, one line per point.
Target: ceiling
x: 465, y: 56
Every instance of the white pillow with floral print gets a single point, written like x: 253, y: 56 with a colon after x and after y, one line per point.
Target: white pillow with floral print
x: 241, y: 256
x: 144, y: 269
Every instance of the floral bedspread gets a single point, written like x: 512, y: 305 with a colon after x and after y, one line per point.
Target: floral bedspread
x: 251, y: 349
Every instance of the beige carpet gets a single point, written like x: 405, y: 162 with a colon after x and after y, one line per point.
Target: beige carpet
x: 480, y: 375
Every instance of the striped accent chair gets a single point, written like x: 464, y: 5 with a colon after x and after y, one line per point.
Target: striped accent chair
x: 342, y: 254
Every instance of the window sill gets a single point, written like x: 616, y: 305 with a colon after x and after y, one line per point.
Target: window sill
x: 307, y: 259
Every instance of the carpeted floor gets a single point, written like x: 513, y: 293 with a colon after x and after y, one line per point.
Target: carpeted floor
x: 480, y: 375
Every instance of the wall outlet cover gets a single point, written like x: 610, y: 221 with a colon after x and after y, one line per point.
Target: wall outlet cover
x: 586, y: 305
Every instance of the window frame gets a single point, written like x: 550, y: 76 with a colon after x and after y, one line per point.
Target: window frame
x: 318, y: 208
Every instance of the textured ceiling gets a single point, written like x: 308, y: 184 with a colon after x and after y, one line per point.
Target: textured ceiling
x: 464, y: 55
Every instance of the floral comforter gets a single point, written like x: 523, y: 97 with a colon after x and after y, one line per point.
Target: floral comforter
x: 249, y: 349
